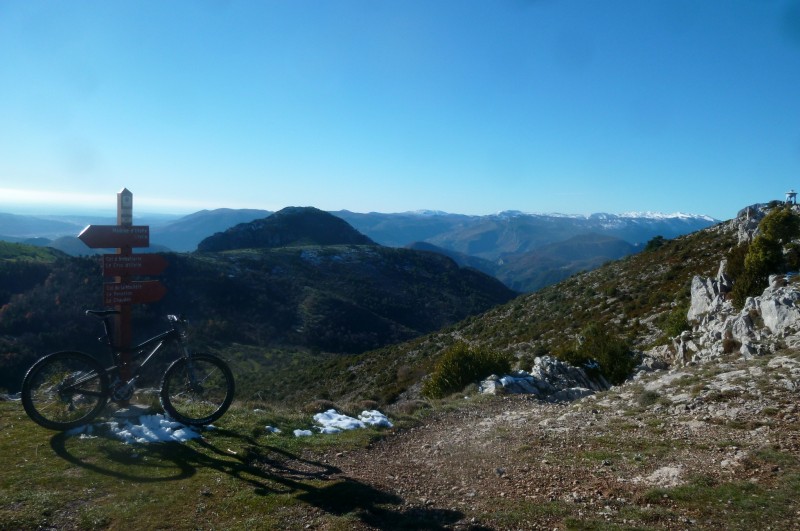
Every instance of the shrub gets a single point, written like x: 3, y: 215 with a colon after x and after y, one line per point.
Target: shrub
x: 612, y: 356
x: 676, y: 322
x: 781, y: 225
x: 730, y: 345
x: 765, y: 255
x: 461, y: 365
x: 736, y: 260
x: 791, y: 254
x: 654, y: 243
x: 647, y: 398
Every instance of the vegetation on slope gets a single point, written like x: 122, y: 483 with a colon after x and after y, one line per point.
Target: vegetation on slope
x: 22, y: 267
x: 717, y: 449
x: 770, y: 252
x: 311, y: 299
x: 640, y: 300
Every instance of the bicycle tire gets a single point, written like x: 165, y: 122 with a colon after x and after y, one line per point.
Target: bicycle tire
x: 197, y: 392
x: 64, y: 390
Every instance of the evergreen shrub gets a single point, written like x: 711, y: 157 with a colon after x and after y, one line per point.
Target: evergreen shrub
x: 461, y: 365
x: 599, y: 351
x: 765, y: 255
x: 676, y: 322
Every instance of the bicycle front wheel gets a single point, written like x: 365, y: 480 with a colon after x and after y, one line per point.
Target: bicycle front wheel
x: 64, y: 390
x: 197, y: 390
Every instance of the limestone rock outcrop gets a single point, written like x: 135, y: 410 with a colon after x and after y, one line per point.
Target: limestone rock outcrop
x: 763, y: 325
x: 550, y: 379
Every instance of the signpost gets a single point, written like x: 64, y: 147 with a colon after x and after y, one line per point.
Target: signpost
x: 124, y: 291
x: 104, y: 236
x: 117, y: 293
x: 118, y: 265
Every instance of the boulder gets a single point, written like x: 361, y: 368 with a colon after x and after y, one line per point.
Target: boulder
x: 779, y: 310
x: 550, y: 379
x: 702, y: 293
x: 747, y: 220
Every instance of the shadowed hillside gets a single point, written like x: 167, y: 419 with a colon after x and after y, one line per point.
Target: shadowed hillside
x: 288, y: 227
x: 303, y: 285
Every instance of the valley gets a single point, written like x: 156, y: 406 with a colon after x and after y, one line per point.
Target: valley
x: 707, y: 443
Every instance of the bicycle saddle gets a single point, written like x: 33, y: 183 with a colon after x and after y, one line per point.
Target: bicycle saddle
x: 102, y: 313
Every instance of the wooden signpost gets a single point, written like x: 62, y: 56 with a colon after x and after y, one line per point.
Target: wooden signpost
x: 122, y: 266
x: 118, y: 265
x: 104, y: 236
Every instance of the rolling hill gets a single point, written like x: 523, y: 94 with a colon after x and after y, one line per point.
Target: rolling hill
x: 304, y: 282
x: 487, y: 243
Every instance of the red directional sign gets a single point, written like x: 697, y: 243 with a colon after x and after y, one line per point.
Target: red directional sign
x: 107, y: 236
x: 120, y: 265
x: 132, y: 292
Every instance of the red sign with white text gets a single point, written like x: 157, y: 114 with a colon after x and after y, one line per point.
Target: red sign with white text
x: 108, y: 236
x: 120, y: 265
x: 118, y: 293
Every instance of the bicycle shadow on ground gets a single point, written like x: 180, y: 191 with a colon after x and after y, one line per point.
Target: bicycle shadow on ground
x: 265, y: 469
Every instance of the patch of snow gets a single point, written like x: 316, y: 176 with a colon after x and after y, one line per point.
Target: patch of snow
x: 332, y: 421
x: 661, y: 216
x: 375, y: 418
x: 150, y: 429
x: 427, y: 213
x: 303, y: 433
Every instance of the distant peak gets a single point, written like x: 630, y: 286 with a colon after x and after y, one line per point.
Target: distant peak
x: 287, y: 227
x: 661, y: 215
x: 427, y: 212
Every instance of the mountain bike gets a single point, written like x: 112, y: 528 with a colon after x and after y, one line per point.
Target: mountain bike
x: 67, y: 389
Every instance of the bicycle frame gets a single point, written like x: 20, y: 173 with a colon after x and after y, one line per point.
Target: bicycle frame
x: 122, y: 391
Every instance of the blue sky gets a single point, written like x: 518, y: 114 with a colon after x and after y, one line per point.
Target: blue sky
x: 466, y: 106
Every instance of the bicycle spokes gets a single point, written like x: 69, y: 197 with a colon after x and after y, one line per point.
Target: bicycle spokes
x: 63, y: 390
x: 197, y: 391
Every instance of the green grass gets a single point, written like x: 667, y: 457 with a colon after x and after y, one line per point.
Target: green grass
x: 235, y: 477
x: 741, y: 504
x: 734, y: 505
x: 515, y: 514
x: 240, y: 477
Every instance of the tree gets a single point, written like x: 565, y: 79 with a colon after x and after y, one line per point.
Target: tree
x: 780, y: 225
x: 765, y: 255
x: 654, y: 243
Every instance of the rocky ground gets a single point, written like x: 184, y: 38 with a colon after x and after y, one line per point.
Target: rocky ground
x: 712, y: 446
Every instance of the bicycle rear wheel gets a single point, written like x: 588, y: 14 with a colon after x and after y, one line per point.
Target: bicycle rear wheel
x: 64, y: 390
x: 197, y: 391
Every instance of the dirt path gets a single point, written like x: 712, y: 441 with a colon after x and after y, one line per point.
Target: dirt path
x: 518, y: 463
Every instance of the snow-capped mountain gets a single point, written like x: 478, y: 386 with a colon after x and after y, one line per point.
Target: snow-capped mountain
x: 512, y: 232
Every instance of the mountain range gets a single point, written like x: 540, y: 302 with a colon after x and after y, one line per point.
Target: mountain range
x: 525, y: 251
x: 300, y: 280
x: 703, y: 438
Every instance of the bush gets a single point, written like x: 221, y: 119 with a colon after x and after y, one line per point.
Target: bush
x: 611, y: 355
x: 765, y: 255
x: 654, y: 243
x: 461, y: 365
x: 791, y: 253
x: 730, y: 345
x: 675, y: 322
x: 780, y: 225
